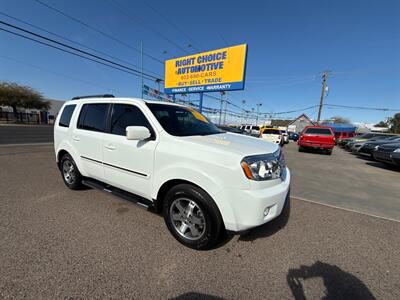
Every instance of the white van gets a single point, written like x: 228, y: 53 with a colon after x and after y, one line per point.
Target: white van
x: 173, y: 160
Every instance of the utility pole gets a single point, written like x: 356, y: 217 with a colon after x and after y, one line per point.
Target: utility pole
x: 141, y: 62
x: 321, y: 102
x: 258, y: 110
x: 242, y: 112
x: 220, y: 108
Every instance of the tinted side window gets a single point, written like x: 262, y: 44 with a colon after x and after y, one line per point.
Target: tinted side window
x: 93, y: 117
x: 66, y: 115
x: 125, y: 115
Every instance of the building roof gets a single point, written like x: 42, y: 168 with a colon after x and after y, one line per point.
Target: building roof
x: 280, y: 123
x: 341, y: 127
x: 302, y: 117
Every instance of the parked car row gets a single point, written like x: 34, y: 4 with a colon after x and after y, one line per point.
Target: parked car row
x: 378, y: 146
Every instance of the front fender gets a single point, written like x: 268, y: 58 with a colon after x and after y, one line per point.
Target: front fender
x: 193, y: 175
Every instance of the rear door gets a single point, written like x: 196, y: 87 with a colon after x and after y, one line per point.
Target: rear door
x: 88, y: 137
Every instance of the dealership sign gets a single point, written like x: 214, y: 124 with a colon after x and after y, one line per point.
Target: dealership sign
x: 212, y: 71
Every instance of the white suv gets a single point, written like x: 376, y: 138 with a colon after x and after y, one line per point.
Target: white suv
x: 173, y: 160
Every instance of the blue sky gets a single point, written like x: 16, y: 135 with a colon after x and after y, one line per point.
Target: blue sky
x: 290, y: 43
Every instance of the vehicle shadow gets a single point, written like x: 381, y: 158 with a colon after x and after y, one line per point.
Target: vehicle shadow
x: 195, y: 296
x: 269, y: 228
x: 314, y: 151
x: 383, y: 166
x: 338, y: 283
x: 365, y: 157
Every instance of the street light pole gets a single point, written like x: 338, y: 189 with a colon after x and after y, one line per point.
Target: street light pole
x: 141, y: 65
x: 258, y: 110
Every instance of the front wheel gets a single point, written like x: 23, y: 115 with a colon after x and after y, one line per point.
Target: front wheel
x: 192, y: 216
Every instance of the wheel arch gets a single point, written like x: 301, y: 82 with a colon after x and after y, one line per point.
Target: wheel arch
x: 60, y: 154
x: 165, y: 187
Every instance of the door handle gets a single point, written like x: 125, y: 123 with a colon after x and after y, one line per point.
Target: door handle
x: 75, y: 138
x: 110, y: 147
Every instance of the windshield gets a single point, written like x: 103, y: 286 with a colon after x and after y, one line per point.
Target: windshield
x: 182, y: 121
x: 365, y: 136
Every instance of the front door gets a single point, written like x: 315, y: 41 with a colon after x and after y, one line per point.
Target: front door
x: 128, y: 164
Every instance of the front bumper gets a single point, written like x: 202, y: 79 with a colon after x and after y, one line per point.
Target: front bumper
x: 244, y: 209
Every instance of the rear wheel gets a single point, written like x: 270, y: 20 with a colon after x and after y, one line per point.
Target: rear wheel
x: 329, y: 151
x: 301, y: 149
x: 192, y: 216
x: 70, y: 173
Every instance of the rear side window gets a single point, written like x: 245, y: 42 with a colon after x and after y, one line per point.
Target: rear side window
x: 66, y: 115
x: 93, y: 117
x: 319, y: 131
x: 271, y: 131
x: 125, y: 115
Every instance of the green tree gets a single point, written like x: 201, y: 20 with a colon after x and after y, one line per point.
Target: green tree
x: 382, y: 124
x: 15, y: 95
x: 395, y: 123
x: 338, y: 120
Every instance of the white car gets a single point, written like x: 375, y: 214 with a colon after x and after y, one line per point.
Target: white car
x: 171, y: 159
x: 273, y: 135
x: 252, y: 130
x: 285, y: 136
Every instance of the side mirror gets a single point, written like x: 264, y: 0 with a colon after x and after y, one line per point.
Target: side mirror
x: 137, y: 133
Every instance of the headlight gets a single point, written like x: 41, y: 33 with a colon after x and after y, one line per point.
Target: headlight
x: 397, y: 150
x: 264, y: 167
x: 376, y: 148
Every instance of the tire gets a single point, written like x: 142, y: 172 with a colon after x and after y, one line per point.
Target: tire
x: 301, y: 149
x: 199, y: 230
x: 329, y: 151
x: 69, y: 172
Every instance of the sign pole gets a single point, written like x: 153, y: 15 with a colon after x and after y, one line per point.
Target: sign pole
x: 201, y: 102
x: 141, y: 63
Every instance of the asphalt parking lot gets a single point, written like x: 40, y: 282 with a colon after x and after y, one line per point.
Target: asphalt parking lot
x: 25, y: 134
x: 58, y: 243
x: 345, y: 180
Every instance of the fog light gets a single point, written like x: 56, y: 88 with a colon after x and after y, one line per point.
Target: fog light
x: 266, y: 211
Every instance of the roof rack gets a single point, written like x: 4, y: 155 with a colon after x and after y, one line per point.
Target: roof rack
x: 94, y: 96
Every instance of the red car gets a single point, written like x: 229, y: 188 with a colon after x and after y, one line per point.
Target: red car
x: 317, y: 137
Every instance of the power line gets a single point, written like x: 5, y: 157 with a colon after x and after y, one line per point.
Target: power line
x: 362, y: 107
x: 173, y: 25
x: 124, y: 11
x: 96, y: 30
x: 70, y: 52
x: 74, y: 42
x: 73, y: 48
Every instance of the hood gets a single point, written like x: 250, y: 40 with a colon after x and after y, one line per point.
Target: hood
x: 234, y: 143
x: 392, y: 146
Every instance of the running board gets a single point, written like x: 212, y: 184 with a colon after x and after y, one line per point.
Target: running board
x: 135, y: 199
